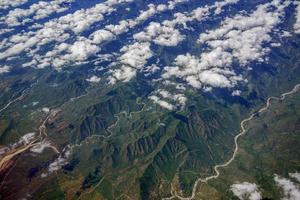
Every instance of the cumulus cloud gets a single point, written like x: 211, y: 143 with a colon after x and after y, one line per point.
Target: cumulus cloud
x: 236, y: 93
x: 79, y: 51
x: 125, y: 74
x: 36, y: 11
x: 58, y: 30
x: 297, y: 15
x: 151, y: 69
x: 134, y: 57
x: 198, y: 14
x: 239, y: 39
x: 5, y: 4
x: 167, y: 100
x: 101, y: 36
x: 290, y: 189
x: 246, y: 190
x: 203, y: 72
x: 4, y: 69
x: 160, y: 34
x: 27, y: 138
x: 112, y: 30
x: 244, y: 36
x: 295, y: 175
x: 41, y: 146
x: 94, y: 79
x: 165, y: 33
x: 63, y: 28
x: 161, y: 102
x: 59, y: 162
x: 24, y: 140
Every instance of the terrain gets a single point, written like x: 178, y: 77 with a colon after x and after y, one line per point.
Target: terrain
x: 149, y: 100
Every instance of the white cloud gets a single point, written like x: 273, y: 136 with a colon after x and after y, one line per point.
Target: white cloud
x: 46, y: 110
x: 24, y: 140
x: 101, y: 36
x: 167, y: 100
x: 57, y: 30
x: 123, y: 26
x: 60, y: 161
x: 64, y: 54
x: 160, y: 34
x: 219, y: 5
x: 161, y: 103
x: 239, y: 39
x: 124, y: 74
x: 4, y: 69
x: 246, y: 190
x: 41, y: 146
x: 165, y: 33
x: 27, y: 138
x: 236, y: 93
x: 295, y: 175
x: 151, y: 69
x: 198, y: 14
x: 245, y: 35
x: 290, y: 189
x: 134, y: 57
x: 36, y: 11
x: 94, y: 79
x: 5, y: 4
x: 297, y: 15
x: 209, y: 70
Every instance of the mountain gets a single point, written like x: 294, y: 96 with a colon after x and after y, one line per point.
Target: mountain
x: 131, y: 99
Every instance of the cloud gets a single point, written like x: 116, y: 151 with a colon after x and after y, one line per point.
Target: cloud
x: 4, y: 69
x: 41, y: 146
x: 297, y: 15
x: 295, y: 175
x: 134, y: 57
x: 61, y: 29
x: 219, y: 5
x: 151, y: 69
x: 125, y: 74
x: 101, y: 36
x: 65, y: 54
x: 160, y: 34
x: 245, y: 35
x: 46, y: 110
x: 5, y: 4
x: 290, y: 189
x: 36, y: 11
x: 167, y: 100
x: 246, y: 190
x: 161, y: 103
x: 198, y: 14
x: 59, y: 162
x: 204, y: 72
x: 165, y: 33
x: 236, y: 93
x: 94, y: 79
x: 125, y: 25
x: 239, y: 39
x: 27, y: 138
x: 58, y: 30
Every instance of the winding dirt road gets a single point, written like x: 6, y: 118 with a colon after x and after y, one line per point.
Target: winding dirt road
x: 42, y: 135
x: 236, y: 149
